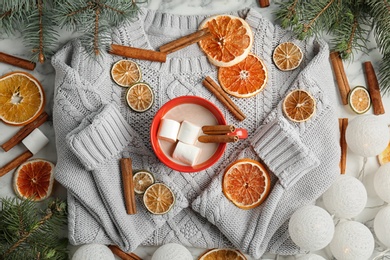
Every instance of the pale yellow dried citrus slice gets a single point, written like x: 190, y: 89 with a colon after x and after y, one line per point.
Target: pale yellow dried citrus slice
x: 34, y: 179
x: 384, y: 157
x: 222, y: 254
x: 142, y: 179
x: 230, y: 41
x: 140, y: 97
x: 287, y: 56
x: 125, y: 73
x: 359, y: 100
x: 246, y: 183
x: 299, y: 105
x: 158, y: 198
x: 244, y: 79
x: 22, y: 98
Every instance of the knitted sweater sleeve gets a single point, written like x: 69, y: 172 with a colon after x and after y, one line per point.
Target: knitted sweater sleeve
x: 302, y: 159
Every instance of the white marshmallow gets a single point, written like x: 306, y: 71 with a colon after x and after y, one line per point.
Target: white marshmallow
x: 188, y: 132
x: 35, y: 141
x: 168, y: 130
x: 186, y: 153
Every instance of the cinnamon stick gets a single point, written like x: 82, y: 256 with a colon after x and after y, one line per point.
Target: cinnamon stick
x: 15, y: 162
x: 218, y: 138
x: 341, y: 77
x: 264, y: 3
x: 128, y: 185
x: 185, y: 41
x: 218, y: 129
x: 16, y: 61
x: 343, y: 123
x: 123, y: 255
x: 213, y: 87
x: 137, y: 53
x: 373, y: 89
x: 24, y: 131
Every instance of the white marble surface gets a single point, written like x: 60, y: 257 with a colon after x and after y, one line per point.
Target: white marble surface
x: 45, y: 73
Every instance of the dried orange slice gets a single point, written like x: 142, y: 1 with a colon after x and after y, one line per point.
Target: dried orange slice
x: 230, y: 41
x: 299, y: 105
x: 22, y: 98
x: 222, y: 254
x: 125, y: 73
x: 246, y: 183
x: 142, y: 180
x: 158, y: 198
x: 384, y: 157
x: 34, y: 179
x: 287, y: 56
x: 359, y: 100
x: 140, y: 97
x: 244, y: 79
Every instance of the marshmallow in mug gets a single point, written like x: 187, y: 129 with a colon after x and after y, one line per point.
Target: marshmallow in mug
x: 186, y: 153
x: 188, y: 132
x: 168, y: 130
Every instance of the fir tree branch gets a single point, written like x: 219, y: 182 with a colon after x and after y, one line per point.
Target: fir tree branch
x: 96, y: 34
x: 354, y: 27
x: 5, y: 14
x: 41, y: 56
x: 308, y: 26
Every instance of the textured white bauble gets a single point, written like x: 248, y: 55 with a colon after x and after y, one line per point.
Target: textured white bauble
x: 311, y: 228
x: 346, y: 198
x: 172, y: 251
x: 310, y: 257
x: 352, y: 241
x: 93, y: 252
x: 382, y: 226
x: 367, y: 135
x: 382, y: 182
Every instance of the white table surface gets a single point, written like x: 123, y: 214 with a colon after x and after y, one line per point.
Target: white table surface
x: 45, y: 74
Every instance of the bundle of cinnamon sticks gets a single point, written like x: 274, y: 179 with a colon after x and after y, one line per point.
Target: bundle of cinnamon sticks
x: 218, y: 134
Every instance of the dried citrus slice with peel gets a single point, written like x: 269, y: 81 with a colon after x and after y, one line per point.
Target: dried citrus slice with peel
x: 125, y: 73
x: 359, y: 100
x: 22, y: 98
x: 384, y: 157
x: 244, y: 79
x: 222, y: 254
x: 142, y: 180
x: 287, y: 56
x: 299, y: 105
x: 158, y: 198
x: 246, y: 183
x: 34, y: 179
x: 230, y: 41
x: 140, y: 97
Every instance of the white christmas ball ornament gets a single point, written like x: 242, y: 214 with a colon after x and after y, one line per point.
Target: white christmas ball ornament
x: 382, y: 226
x: 382, y: 182
x: 346, y: 198
x: 311, y: 228
x: 310, y: 257
x: 172, y: 251
x: 93, y: 252
x: 352, y: 241
x: 367, y: 135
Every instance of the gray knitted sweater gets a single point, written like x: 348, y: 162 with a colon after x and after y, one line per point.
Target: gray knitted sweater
x: 95, y: 128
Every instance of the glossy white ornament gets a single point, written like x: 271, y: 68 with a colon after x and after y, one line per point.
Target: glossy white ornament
x: 382, y: 182
x: 382, y: 226
x: 172, y: 251
x: 352, y: 241
x: 346, y: 198
x: 93, y: 252
x: 310, y: 257
x: 311, y: 228
x: 367, y: 135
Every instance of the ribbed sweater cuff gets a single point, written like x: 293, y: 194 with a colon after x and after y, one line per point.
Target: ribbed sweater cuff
x: 278, y: 144
x: 100, y: 137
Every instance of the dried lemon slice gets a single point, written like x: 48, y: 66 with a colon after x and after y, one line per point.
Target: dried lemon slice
x: 359, y: 100
x: 125, y: 73
x: 287, y: 56
x: 158, y: 199
x: 142, y: 180
x: 222, y: 253
x: 299, y: 105
x: 140, y: 97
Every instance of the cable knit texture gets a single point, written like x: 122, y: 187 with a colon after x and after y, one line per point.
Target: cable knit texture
x: 94, y: 128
